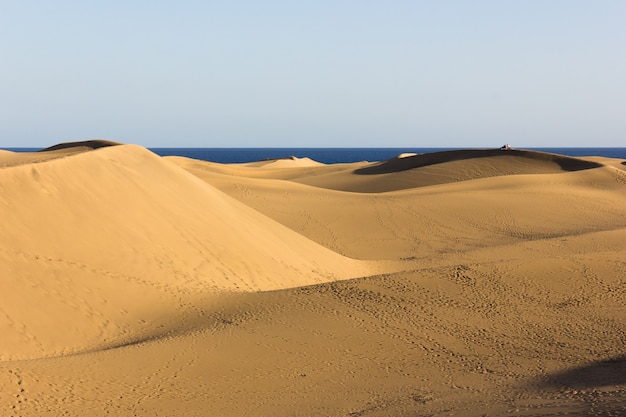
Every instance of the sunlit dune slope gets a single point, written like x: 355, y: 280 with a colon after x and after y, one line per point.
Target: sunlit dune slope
x: 99, y: 247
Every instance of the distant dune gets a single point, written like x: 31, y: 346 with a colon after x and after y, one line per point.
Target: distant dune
x: 469, y: 282
x: 289, y: 162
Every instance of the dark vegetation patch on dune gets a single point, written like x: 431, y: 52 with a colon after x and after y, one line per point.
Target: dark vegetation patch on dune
x: 91, y: 144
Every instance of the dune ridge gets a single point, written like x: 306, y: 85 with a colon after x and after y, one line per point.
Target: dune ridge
x: 469, y: 283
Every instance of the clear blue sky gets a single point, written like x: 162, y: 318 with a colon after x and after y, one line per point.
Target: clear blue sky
x: 314, y: 74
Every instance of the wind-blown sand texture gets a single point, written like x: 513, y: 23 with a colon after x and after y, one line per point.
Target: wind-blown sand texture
x: 467, y: 283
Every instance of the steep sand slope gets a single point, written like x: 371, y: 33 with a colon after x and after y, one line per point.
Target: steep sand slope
x: 512, y: 301
x: 83, y: 235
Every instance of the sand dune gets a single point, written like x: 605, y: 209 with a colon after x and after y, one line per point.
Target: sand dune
x: 463, y: 283
x: 120, y: 220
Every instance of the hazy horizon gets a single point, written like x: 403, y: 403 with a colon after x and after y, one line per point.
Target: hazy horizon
x: 343, y: 74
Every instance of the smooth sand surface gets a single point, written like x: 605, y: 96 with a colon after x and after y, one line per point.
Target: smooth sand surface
x: 466, y: 283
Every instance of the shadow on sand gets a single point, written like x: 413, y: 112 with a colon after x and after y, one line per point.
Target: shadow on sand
x: 598, y: 374
x: 416, y: 161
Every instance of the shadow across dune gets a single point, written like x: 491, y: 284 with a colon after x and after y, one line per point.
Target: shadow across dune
x: 598, y: 374
x: 91, y: 144
x: 417, y: 161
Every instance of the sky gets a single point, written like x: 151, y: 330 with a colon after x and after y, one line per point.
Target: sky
x: 341, y: 73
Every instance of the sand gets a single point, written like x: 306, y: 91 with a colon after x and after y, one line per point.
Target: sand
x: 466, y: 283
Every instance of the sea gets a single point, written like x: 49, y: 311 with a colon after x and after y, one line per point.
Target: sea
x: 335, y: 155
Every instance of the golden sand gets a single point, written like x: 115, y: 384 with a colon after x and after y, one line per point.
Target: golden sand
x: 466, y: 283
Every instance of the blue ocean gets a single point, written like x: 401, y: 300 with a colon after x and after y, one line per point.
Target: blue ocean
x: 335, y: 155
